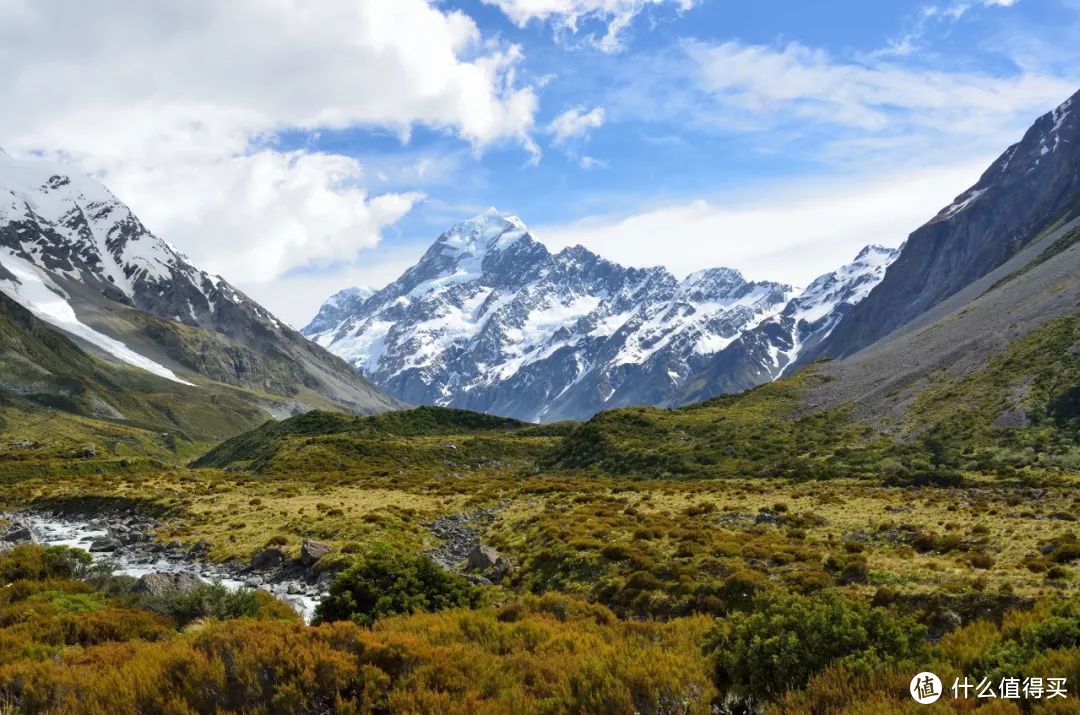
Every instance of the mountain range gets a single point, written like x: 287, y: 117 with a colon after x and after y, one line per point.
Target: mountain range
x: 490, y: 320
x: 100, y: 317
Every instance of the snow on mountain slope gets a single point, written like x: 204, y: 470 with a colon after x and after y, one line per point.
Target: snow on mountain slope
x: 489, y: 319
x: 814, y: 313
x: 77, y: 257
x: 32, y: 289
x: 770, y: 348
x: 339, y: 306
x: 74, y: 227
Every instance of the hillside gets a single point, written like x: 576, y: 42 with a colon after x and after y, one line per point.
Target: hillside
x: 1033, y: 186
x: 422, y: 439
x: 55, y: 393
x: 81, y: 261
x: 984, y: 382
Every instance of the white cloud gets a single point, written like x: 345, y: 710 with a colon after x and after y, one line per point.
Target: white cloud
x: 931, y: 19
x: 796, y: 82
x: 254, y: 217
x: 569, y: 15
x: 575, y: 124
x: 792, y: 233
x: 958, y: 8
x: 175, y: 106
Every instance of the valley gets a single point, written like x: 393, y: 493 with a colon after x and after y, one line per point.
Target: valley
x: 522, y: 481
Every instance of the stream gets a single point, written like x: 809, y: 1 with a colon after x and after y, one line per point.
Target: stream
x: 141, y: 557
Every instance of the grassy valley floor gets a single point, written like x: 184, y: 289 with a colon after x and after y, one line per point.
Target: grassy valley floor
x: 734, y: 556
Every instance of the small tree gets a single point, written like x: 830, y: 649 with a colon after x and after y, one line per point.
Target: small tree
x: 387, y: 583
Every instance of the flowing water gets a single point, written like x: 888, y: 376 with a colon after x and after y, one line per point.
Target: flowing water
x: 136, y: 562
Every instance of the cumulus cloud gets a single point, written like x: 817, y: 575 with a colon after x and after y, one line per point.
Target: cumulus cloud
x: 575, y: 124
x: 176, y: 106
x: 569, y: 15
x: 300, y: 209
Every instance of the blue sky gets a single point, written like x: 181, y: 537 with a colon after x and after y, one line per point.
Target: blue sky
x: 776, y: 137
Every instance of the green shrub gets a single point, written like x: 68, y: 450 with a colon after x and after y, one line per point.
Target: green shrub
x: 787, y: 639
x: 387, y: 583
x: 207, y: 601
x: 32, y: 562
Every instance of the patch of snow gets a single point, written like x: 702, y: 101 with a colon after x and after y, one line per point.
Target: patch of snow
x: 37, y: 293
x: 959, y: 206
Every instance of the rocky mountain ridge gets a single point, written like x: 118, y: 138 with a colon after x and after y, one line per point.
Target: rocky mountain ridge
x: 490, y: 320
x: 80, y: 260
x: 1029, y: 190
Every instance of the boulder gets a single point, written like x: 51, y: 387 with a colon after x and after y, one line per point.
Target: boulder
x: 18, y: 534
x: 482, y: 558
x: 104, y: 545
x: 161, y: 583
x: 312, y: 551
x: 267, y: 559
x: 253, y: 581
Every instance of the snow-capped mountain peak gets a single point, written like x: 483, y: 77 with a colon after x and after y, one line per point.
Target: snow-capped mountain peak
x: 489, y: 319
x: 103, y: 235
x: 80, y: 260
x: 770, y: 348
x: 490, y: 231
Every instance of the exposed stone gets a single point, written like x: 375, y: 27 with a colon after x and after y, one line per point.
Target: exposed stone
x: 253, y: 581
x: 104, y: 545
x: 18, y: 534
x: 482, y: 558
x: 162, y: 584
x: 267, y: 559
x: 312, y: 551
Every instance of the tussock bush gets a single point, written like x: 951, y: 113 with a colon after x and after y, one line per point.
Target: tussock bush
x: 388, y: 583
x: 787, y: 639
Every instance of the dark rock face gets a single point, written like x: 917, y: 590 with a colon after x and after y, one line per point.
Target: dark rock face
x: 1034, y: 184
x: 267, y: 559
x: 17, y: 534
x: 105, y: 545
